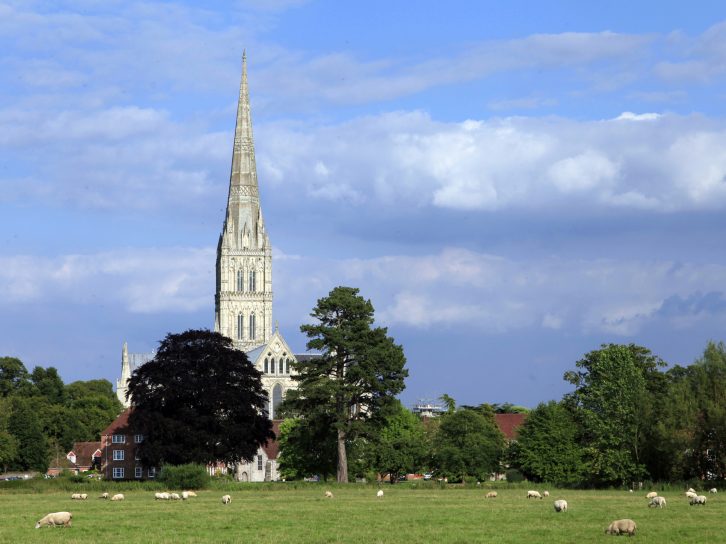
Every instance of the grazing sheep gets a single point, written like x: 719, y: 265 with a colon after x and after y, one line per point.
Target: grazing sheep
x: 713, y: 490
x: 533, y: 494
x: 657, y: 502
x: 174, y: 496
x: 560, y: 506
x: 76, y: 497
x: 55, y: 519
x: 189, y: 493
x: 492, y: 495
x: 379, y: 494
x: 691, y: 490
x: 691, y: 494
x: 546, y: 493
x: 328, y: 494
x: 651, y: 495
x: 162, y: 496
x: 103, y: 496
x: 698, y: 499
x: 226, y: 499
x: 185, y: 495
x: 621, y: 527
x: 118, y: 497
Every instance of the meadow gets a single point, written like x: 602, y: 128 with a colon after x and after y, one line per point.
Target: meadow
x: 282, y: 513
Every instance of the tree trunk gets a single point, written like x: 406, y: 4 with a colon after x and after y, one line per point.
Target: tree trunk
x: 342, y: 459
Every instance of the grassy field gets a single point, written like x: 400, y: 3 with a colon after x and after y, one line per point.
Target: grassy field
x: 411, y: 515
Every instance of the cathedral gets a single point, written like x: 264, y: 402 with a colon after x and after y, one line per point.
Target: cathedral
x: 243, y: 298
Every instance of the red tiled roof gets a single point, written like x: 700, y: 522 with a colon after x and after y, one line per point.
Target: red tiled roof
x: 84, y: 452
x: 272, y: 447
x: 509, y: 424
x: 121, y: 423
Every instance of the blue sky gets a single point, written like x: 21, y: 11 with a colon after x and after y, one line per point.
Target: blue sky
x: 512, y: 184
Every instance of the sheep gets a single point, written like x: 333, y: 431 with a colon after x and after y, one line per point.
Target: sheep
x: 546, y: 494
x: 379, y: 494
x: 55, y: 519
x: 691, y: 494
x: 621, y: 527
x: 492, y: 495
x: 698, y: 499
x: 185, y: 495
x: 651, y: 495
x: 560, y: 506
x: 190, y: 493
x: 103, y: 496
x: 691, y: 490
x: 713, y: 490
x: 162, y: 496
x: 328, y: 494
x: 76, y: 497
x: 533, y: 494
x: 226, y: 499
x: 657, y: 502
x: 118, y: 497
x: 174, y: 496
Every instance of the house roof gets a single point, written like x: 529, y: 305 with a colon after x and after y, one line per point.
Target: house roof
x: 272, y: 447
x: 509, y: 424
x: 121, y: 423
x: 84, y: 452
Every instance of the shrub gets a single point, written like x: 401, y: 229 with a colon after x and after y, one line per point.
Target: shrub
x: 189, y: 476
x: 514, y: 476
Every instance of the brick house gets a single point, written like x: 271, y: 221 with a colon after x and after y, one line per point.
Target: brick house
x: 119, y: 460
x: 85, y: 456
x: 509, y: 424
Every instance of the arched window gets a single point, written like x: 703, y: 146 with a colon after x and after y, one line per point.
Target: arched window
x: 281, y: 368
x: 267, y: 367
x: 287, y: 366
x: 276, y: 399
x: 272, y: 365
x: 240, y: 326
x: 252, y: 283
x: 240, y: 280
x: 252, y: 327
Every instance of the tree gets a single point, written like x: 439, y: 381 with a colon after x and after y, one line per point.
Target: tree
x: 358, y: 373
x: 13, y: 376
x: 400, y: 447
x: 198, y: 400
x: 547, y: 447
x: 612, y: 393
x: 307, y: 447
x: 467, y: 443
x: 49, y: 384
x: 8, y: 449
x: 32, y: 446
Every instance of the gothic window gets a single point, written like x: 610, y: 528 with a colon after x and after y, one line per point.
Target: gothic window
x: 252, y: 282
x: 276, y: 399
x: 281, y: 369
x: 240, y: 280
x: 272, y: 365
x: 267, y: 368
x: 287, y: 366
x: 252, y: 327
x: 240, y: 326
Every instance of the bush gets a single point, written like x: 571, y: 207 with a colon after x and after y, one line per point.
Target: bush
x: 187, y: 476
x: 514, y: 476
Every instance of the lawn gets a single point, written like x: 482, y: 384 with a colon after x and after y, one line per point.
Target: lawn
x: 282, y: 514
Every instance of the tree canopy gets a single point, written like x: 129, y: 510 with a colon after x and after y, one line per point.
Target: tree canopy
x: 198, y: 400
x: 357, y: 375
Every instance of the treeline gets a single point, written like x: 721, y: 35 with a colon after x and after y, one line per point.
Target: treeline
x: 628, y: 419
x: 41, y: 417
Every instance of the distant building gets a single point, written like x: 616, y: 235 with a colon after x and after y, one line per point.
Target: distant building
x: 509, y: 424
x: 85, y: 456
x: 428, y: 408
x: 119, y: 452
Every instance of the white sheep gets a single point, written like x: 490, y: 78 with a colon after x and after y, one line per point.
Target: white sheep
x: 379, y: 494
x: 174, y: 496
x: 118, y: 497
x: 560, y: 506
x: 621, y: 527
x: 184, y: 495
x: 55, y: 519
x: 190, y: 493
x: 328, y: 494
x: 691, y: 494
x: 103, y: 496
x: 713, y: 490
x: 76, y: 497
x: 533, y: 494
x: 492, y: 495
x: 691, y: 490
x: 651, y: 495
x: 162, y: 496
x: 546, y: 493
x: 698, y: 499
x: 657, y: 502
x: 226, y: 499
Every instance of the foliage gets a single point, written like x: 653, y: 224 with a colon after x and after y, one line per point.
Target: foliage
x: 467, y: 444
x: 399, y: 447
x: 307, y: 447
x: 198, y: 401
x: 188, y: 476
x: 610, y: 398
x: 547, y: 447
x: 13, y: 376
x: 357, y: 375
x: 24, y: 424
x: 513, y: 476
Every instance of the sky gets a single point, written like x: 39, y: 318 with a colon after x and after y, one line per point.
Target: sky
x: 511, y: 184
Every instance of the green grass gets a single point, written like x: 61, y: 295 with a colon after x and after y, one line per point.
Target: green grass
x: 282, y: 513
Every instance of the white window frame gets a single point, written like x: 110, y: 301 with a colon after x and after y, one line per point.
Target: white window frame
x: 118, y: 439
x: 138, y: 438
x: 119, y: 455
x: 138, y: 472
x: 118, y: 473
x: 259, y: 462
x: 151, y: 472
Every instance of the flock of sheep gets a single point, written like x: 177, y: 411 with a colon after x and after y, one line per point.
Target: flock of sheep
x: 617, y: 527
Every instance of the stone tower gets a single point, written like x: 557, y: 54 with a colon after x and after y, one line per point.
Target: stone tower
x: 243, y: 299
